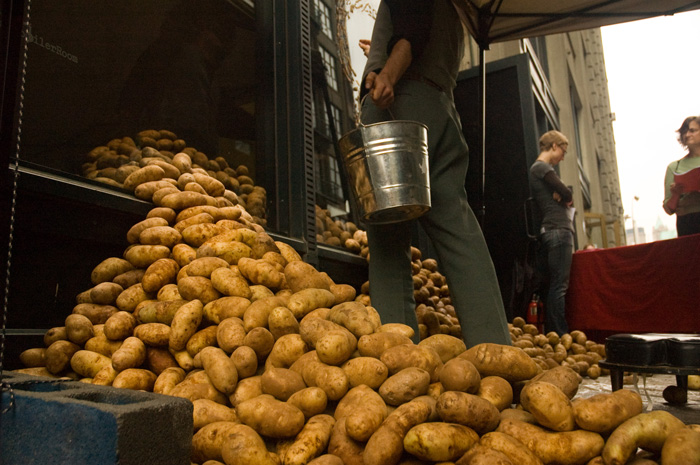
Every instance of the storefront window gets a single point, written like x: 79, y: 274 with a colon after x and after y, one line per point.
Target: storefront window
x: 106, y: 80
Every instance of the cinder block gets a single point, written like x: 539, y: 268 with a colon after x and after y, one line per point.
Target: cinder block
x: 68, y: 422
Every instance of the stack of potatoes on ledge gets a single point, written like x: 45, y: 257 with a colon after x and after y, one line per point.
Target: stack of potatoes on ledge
x: 158, y: 159
x: 340, y: 233
x: 572, y: 349
x: 284, y: 366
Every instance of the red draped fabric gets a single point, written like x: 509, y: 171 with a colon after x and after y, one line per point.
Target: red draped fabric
x: 641, y: 288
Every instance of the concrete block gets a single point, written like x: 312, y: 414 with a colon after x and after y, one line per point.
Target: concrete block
x: 68, y: 422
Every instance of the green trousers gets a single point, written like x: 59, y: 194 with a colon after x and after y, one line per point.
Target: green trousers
x: 462, y: 254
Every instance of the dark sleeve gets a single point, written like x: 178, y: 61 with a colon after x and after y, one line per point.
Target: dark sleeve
x: 412, y: 20
x: 553, y: 181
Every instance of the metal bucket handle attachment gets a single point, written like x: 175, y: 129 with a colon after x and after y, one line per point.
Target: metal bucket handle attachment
x: 358, y: 118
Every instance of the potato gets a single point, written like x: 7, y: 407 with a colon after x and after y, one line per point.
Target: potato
x: 102, y: 345
x: 682, y: 447
x: 446, y: 346
x: 182, y: 200
x: 364, y: 411
x: 549, y: 405
x: 159, y: 273
x: 153, y: 334
x: 374, y: 345
x: 301, y: 275
x: 407, y: 355
x: 331, y: 379
x: 79, y: 328
x: 261, y: 272
x: 142, y: 256
x: 136, y: 379
x: 518, y: 414
x: 203, y: 338
x: 602, y: 413
x: 281, y: 321
x: 225, y: 307
x: 563, y: 377
x: 405, y: 385
x: 143, y: 175
x: 197, y: 288
x: 247, y: 388
x: 335, y: 347
x: 59, y: 354
x: 220, y: 368
x: 208, y: 441
x: 281, y: 383
x: 306, y: 300
x: 482, y: 455
x: 131, y: 297
x: 327, y: 459
x: 158, y: 359
x: 356, y: 317
x: 105, y: 293
x: 35, y: 357
x: 207, y: 411
x: 257, y: 314
x: 97, y: 314
x: 87, y: 363
x: 343, y: 293
x: 230, y: 334
x: 232, y: 252
x: 230, y: 283
x: 508, y: 362
x: 154, y: 311
x: 120, y: 326
x: 646, y: 430
x: 398, y: 328
x: 167, y: 214
x: 246, y: 361
x: 197, y: 385
x: 515, y: 450
x: 459, y: 374
x: 341, y: 445
x: 311, y: 441
x: 260, y: 340
x: 496, y: 390
x: 271, y: 417
x: 386, y: 445
x: 244, y: 446
x: 469, y: 410
x: 184, y: 254
x: 105, y: 377
x: 168, y: 292
x: 311, y: 401
x: 365, y: 370
x: 108, y: 269
x: 131, y: 354
x: 565, y: 448
x: 439, y: 442
x: 185, y: 324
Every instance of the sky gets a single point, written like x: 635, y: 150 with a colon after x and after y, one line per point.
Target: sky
x: 654, y: 84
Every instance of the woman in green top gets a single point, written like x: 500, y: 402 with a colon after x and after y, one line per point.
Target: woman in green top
x: 678, y: 199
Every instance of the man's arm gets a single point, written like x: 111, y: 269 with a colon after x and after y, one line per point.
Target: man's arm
x: 411, y: 22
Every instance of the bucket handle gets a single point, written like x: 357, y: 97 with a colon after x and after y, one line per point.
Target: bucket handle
x: 358, y: 119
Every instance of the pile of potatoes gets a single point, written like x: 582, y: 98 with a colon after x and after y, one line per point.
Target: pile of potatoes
x: 340, y: 233
x: 285, y: 366
x: 158, y: 159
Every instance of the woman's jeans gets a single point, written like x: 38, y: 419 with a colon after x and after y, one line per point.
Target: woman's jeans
x: 558, y: 247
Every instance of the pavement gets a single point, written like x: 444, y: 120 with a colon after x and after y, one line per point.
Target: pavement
x: 650, y: 387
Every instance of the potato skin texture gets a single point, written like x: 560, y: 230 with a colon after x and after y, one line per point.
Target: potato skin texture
x: 271, y: 417
x: 496, y: 390
x: 646, y: 430
x: 603, y: 413
x: 385, y: 446
x: 515, y: 450
x: 311, y: 441
x: 682, y: 447
x: 565, y: 448
x: 439, y: 442
x: 549, y: 405
x: 364, y: 411
x: 508, y: 362
x: 469, y: 410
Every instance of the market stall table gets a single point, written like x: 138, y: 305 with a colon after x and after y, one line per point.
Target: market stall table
x: 645, y: 288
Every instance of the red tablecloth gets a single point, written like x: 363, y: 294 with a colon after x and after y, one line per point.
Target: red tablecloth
x: 641, y: 288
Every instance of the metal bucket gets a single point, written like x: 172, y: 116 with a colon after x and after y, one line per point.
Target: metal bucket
x: 387, y: 168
